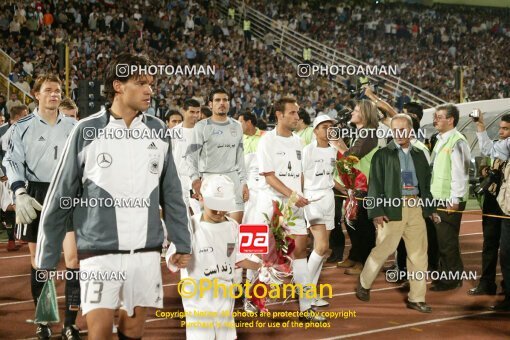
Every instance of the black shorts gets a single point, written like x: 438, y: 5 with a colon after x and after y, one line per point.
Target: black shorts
x: 8, y: 217
x: 37, y: 190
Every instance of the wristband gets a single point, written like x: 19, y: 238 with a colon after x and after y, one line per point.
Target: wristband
x: 21, y: 191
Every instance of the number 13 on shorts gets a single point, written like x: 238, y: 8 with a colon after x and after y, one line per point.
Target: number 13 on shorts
x: 93, y: 291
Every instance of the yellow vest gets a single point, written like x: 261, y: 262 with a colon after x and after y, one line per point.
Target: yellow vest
x: 440, y: 186
x: 364, y: 163
x: 251, y: 143
x: 246, y: 25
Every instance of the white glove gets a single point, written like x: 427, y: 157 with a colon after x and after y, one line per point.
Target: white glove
x: 26, y: 207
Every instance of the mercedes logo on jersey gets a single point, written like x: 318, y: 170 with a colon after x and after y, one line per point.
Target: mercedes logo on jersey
x: 104, y: 160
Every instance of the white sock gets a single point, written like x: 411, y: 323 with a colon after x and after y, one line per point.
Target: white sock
x: 315, y: 262
x: 302, y: 277
x: 250, y: 275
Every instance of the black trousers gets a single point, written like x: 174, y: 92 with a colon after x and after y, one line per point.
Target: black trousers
x: 362, y: 237
x: 491, y: 236
x: 337, y: 237
x: 447, y: 231
x: 505, y: 256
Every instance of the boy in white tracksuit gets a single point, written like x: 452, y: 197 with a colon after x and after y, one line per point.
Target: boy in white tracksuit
x: 318, y: 169
x: 214, y: 256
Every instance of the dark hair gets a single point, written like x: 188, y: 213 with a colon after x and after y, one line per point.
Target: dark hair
x: 117, y: 66
x: 415, y: 108
x: 280, y: 104
x: 215, y: 91
x: 262, y: 125
x: 190, y: 103
x: 247, y: 116
x: 505, y: 118
x: 206, y: 111
x: 304, y: 116
x: 172, y: 113
x: 451, y: 111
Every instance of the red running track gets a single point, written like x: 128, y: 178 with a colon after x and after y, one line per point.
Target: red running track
x: 454, y: 315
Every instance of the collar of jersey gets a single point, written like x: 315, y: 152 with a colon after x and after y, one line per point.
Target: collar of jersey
x: 36, y: 114
x: 120, y: 123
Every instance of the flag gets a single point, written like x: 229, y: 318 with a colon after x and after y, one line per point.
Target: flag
x: 47, y: 306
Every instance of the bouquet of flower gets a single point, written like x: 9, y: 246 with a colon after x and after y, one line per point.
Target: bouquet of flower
x: 277, y: 263
x: 355, y: 182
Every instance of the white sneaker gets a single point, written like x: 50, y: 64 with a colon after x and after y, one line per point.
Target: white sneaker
x: 320, y: 303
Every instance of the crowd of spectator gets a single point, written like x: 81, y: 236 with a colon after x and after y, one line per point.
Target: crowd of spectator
x: 196, y: 32
x: 425, y: 42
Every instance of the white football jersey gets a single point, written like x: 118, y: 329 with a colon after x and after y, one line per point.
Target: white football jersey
x: 318, y: 167
x: 283, y: 156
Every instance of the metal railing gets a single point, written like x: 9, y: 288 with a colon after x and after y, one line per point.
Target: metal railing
x: 10, y: 87
x: 6, y: 63
x: 291, y: 44
x: 6, y: 67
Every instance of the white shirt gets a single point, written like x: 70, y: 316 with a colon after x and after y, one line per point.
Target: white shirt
x: 461, y: 158
x: 254, y: 179
x: 214, y: 251
x: 281, y: 155
x: 4, y: 140
x: 318, y: 167
x: 5, y: 195
x: 499, y: 149
x: 179, y: 147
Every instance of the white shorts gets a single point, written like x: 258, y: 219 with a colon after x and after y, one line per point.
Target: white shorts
x: 250, y: 207
x: 208, y: 327
x: 265, y: 205
x: 238, y: 189
x: 321, y: 211
x: 142, y: 285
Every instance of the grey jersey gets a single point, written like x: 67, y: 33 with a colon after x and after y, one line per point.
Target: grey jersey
x: 3, y: 130
x: 35, y: 148
x: 216, y: 148
x: 94, y: 168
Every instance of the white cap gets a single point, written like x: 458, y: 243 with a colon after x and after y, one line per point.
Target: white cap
x: 218, y: 192
x: 321, y: 119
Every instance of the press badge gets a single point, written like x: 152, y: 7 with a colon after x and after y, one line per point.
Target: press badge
x: 407, y: 179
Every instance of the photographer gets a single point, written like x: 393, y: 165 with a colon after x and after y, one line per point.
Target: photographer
x: 492, y: 226
x: 362, y: 234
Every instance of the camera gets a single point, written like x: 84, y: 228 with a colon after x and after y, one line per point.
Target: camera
x: 475, y: 114
x: 343, y: 117
x: 493, y: 177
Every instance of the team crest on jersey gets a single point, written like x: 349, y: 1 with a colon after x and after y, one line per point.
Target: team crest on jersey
x: 230, y: 248
x: 154, y: 166
x: 233, y: 131
x: 333, y: 162
x: 298, y: 154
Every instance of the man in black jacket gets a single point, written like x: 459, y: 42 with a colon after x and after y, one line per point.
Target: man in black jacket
x: 398, y: 199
